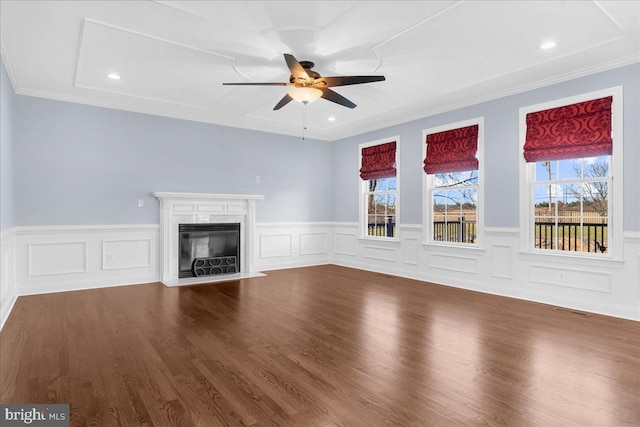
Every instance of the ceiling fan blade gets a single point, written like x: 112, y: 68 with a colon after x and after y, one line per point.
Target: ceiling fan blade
x: 347, y: 80
x: 332, y: 96
x: 284, y: 101
x: 296, y: 69
x: 258, y: 84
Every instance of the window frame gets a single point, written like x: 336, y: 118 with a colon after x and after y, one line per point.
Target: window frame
x: 363, y: 190
x: 527, y: 179
x: 428, y: 188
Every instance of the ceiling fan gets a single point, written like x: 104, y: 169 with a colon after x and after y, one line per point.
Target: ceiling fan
x: 309, y: 85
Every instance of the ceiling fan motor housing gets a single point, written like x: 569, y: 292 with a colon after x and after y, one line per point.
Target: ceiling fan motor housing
x: 307, y: 66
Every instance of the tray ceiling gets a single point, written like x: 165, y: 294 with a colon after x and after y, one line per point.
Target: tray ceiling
x: 172, y: 56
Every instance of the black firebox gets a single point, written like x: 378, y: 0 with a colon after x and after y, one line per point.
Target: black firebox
x: 208, y: 249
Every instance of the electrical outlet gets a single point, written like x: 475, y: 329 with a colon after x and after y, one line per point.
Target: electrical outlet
x: 562, y: 276
x: 110, y: 258
x: 257, y: 179
x: 140, y: 203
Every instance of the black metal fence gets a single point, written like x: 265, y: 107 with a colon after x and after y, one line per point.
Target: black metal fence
x: 454, y: 231
x: 571, y: 236
x: 588, y: 237
x: 387, y: 229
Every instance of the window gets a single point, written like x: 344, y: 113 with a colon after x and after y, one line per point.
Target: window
x: 452, y: 183
x: 571, y: 205
x: 571, y: 151
x: 379, y: 189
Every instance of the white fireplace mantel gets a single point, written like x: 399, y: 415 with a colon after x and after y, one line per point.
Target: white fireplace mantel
x: 199, y: 208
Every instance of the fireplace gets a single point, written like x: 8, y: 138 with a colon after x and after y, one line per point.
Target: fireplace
x: 226, y: 212
x: 209, y: 249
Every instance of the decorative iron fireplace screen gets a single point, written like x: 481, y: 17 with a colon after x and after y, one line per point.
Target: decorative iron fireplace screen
x: 207, y: 249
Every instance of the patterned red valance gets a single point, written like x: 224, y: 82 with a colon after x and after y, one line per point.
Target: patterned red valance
x: 452, y: 150
x: 379, y: 161
x: 570, y: 132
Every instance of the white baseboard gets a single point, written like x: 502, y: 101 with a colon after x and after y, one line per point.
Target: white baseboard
x: 8, y: 293
x: 7, y: 305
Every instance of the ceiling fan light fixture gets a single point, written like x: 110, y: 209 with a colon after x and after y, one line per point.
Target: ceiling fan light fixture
x: 550, y: 44
x: 305, y: 94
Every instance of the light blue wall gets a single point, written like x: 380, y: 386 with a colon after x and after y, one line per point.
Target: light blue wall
x: 501, y: 152
x: 77, y: 164
x: 7, y: 205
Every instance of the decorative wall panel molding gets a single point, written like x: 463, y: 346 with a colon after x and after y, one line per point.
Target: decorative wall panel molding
x: 288, y: 245
x: 501, y: 261
x: 313, y: 243
x: 275, y: 245
x: 54, y: 259
x: 124, y: 254
x: 345, y: 243
x: 46, y: 259
x: 453, y: 263
x: 379, y: 253
x: 410, y: 247
x: 587, y: 280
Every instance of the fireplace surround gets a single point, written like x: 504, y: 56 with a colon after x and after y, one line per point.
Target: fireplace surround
x: 200, y: 209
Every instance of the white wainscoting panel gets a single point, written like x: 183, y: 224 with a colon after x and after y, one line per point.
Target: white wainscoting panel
x: 313, y: 243
x: 8, y: 293
x: 588, y: 280
x: 46, y: 259
x: 289, y: 245
x: 410, y: 248
x: 275, y: 245
x: 124, y: 254
x: 345, y: 243
x: 379, y: 253
x: 453, y: 263
x: 501, y: 261
x: 63, y: 258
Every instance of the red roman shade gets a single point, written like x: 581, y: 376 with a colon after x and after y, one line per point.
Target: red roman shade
x: 570, y: 132
x: 379, y: 161
x: 452, y: 150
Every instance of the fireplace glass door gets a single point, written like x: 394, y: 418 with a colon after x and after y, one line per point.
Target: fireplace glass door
x: 208, y: 249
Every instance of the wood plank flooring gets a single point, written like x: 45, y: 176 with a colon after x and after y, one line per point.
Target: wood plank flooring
x: 318, y: 346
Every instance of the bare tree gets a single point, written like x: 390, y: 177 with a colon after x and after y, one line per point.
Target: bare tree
x: 595, y: 193
x: 456, y: 178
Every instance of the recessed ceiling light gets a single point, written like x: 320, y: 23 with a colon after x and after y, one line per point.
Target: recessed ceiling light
x: 113, y: 76
x: 332, y: 119
x: 548, y: 45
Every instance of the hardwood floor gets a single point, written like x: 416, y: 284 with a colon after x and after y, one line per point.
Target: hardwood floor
x: 318, y: 346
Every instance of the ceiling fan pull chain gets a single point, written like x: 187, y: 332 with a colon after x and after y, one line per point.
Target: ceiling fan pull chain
x: 304, y: 119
